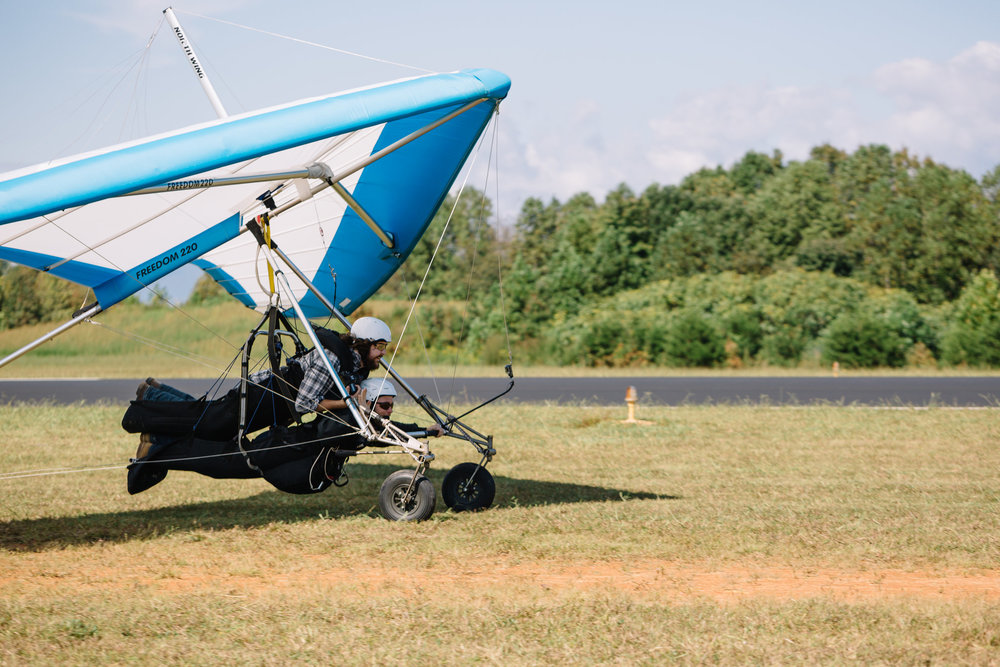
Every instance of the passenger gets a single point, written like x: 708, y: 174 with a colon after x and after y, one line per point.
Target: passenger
x: 381, y: 399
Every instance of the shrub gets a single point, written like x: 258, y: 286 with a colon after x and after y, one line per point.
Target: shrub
x: 692, y: 341
x: 860, y: 340
x: 784, y: 346
x: 744, y: 329
x: 973, y: 337
x: 207, y: 291
x: 28, y: 296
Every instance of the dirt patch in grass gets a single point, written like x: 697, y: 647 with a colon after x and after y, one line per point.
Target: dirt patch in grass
x: 658, y: 579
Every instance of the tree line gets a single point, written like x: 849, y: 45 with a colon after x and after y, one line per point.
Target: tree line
x: 870, y: 258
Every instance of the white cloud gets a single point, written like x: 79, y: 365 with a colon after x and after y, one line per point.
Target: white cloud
x: 941, y: 110
x: 571, y: 156
x: 945, y: 111
x: 720, y: 126
x: 675, y: 163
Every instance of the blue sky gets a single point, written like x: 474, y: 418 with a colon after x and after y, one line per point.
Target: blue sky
x: 603, y: 92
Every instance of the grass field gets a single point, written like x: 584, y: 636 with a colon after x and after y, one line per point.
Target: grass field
x: 727, y: 535
x: 134, y: 341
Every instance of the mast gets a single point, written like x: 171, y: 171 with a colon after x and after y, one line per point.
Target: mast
x: 195, y: 64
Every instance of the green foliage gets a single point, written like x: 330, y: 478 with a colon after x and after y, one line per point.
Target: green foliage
x: 796, y: 306
x: 463, y: 245
x: 787, y: 262
x: 685, y: 249
x: 899, y: 311
x: 784, y: 319
x: 744, y: 329
x: 28, y: 296
x: 860, y: 255
x: 750, y: 173
x: 860, y: 340
x: 884, y: 218
x: 692, y: 341
x: 784, y: 345
x: 973, y: 338
x: 206, y: 291
x: 991, y: 184
x: 795, y: 207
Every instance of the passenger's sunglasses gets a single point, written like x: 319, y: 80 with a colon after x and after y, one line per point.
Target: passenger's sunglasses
x: 385, y: 405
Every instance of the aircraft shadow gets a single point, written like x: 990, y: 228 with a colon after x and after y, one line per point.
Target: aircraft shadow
x: 360, y: 497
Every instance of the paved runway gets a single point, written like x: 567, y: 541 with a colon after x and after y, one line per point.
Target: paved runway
x: 879, y: 391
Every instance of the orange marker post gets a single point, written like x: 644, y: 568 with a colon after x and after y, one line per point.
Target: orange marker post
x: 631, y: 397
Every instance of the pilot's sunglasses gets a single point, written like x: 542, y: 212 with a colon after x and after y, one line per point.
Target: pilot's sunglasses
x: 381, y: 345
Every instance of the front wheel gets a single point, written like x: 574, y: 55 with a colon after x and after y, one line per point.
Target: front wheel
x: 468, y: 487
x: 405, y: 497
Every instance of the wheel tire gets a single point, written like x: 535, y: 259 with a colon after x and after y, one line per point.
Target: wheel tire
x: 464, y: 495
x: 391, y: 497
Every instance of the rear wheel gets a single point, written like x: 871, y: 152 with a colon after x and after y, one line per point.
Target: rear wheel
x: 404, y: 497
x: 468, y: 487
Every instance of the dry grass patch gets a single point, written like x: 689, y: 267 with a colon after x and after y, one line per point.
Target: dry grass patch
x: 716, y: 534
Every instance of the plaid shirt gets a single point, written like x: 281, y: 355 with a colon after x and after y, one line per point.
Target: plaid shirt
x: 317, y: 383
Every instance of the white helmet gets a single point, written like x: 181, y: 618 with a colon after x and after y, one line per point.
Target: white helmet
x: 371, y: 328
x: 377, y: 387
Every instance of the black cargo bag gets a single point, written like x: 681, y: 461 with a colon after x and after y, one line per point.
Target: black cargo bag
x: 292, y: 459
x: 218, y: 419
x: 211, y: 420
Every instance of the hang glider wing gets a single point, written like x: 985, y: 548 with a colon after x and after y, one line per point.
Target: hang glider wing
x: 352, y: 179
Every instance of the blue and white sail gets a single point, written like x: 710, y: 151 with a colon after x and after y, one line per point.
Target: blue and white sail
x: 118, y: 219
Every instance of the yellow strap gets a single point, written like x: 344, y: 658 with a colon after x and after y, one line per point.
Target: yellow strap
x: 265, y: 223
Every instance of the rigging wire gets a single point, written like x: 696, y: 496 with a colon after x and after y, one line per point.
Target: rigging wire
x: 178, y: 352
x: 138, y: 60
x: 96, y: 247
x: 94, y: 124
x: 43, y: 472
x: 157, y: 345
x: 492, y: 163
x: 144, y: 57
x: 134, y: 110
x: 437, y: 248
x: 308, y: 43
x: 472, y: 265
x: 423, y: 343
x: 333, y: 417
x: 217, y: 74
x: 23, y: 474
x: 503, y: 305
x: 166, y: 300
x: 4, y: 476
x: 96, y: 250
